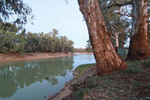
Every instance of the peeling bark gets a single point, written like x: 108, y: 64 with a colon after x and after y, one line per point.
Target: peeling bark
x: 139, y: 44
x: 107, y: 60
x: 117, y: 39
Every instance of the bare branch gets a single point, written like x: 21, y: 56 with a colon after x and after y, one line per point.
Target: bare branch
x: 112, y: 27
x: 113, y: 38
x: 120, y: 5
x: 124, y: 14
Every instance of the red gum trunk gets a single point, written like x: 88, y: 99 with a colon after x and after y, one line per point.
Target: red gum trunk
x: 139, y: 44
x: 107, y: 60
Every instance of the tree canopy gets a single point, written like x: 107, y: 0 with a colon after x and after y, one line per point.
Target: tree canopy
x: 17, y: 9
x: 12, y: 42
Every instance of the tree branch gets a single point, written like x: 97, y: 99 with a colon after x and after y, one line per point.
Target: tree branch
x: 124, y: 14
x: 120, y: 5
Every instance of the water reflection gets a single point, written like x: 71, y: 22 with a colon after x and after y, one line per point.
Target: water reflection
x: 15, y: 75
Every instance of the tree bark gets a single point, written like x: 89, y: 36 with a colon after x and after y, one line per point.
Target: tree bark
x: 107, y: 60
x: 117, y: 39
x: 122, y: 39
x: 139, y: 44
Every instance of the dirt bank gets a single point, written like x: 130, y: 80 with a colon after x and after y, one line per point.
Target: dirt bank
x: 132, y: 83
x: 74, y: 85
x: 30, y: 56
x: 83, y: 53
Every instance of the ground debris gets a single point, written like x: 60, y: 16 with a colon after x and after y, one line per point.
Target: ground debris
x: 131, y: 84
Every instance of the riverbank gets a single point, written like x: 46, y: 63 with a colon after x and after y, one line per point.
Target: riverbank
x: 37, y: 55
x: 130, y: 84
x: 30, y: 56
x: 89, y: 53
x: 68, y: 91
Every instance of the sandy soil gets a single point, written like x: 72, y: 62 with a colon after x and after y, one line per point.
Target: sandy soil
x: 30, y: 56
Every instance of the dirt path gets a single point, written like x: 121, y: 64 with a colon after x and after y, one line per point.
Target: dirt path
x: 30, y: 56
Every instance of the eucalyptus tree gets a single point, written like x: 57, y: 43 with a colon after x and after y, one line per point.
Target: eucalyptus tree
x: 31, y: 42
x: 7, y: 41
x: 8, y: 27
x: 139, y: 42
x: 88, y: 46
x: 107, y: 60
x: 21, y: 42
x: 8, y: 37
x: 102, y: 48
x: 17, y: 9
x: 116, y: 24
x: 41, y: 42
x: 119, y: 32
x: 69, y: 46
x: 63, y: 41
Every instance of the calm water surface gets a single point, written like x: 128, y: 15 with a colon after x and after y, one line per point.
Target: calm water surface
x: 38, y: 79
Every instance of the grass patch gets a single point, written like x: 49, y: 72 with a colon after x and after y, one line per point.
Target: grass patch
x: 79, y: 94
x: 90, y: 83
x: 147, y: 98
x: 133, y: 62
x: 133, y: 67
x: 148, y: 86
x: 146, y: 63
x: 81, y: 68
x: 130, y: 83
x: 136, y: 83
x: 132, y: 70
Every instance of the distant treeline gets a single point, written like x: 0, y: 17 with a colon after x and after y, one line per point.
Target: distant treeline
x: 11, y: 41
x: 80, y: 50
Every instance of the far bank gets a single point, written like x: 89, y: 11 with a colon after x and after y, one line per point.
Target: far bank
x: 37, y: 55
x: 30, y: 56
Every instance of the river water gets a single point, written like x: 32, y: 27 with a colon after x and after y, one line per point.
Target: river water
x: 38, y: 79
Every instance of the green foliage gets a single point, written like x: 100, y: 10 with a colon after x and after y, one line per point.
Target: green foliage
x: 7, y: 41
x: 132, y: 68
x: 79, y: 95
x: 8, y: 27
x: 17, y: 9
x: 11, y: 41
x: 81, y: 68
x: 147, y: 98
x: 115, y: 21
x: 88, y: 46
x: 136, y: 83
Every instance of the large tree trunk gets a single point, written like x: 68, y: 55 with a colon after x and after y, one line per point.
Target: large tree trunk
x: 139, y: 44
x: 107, y: 60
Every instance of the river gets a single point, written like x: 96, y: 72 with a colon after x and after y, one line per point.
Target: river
x: 38, y: 79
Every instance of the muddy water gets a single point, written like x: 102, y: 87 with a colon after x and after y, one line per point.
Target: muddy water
x: 38, y: 79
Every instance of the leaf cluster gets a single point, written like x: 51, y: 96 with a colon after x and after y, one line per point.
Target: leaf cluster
x: 17, y: 9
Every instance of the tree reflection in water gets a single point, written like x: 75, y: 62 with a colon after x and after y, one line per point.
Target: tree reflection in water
x: 20, y: 74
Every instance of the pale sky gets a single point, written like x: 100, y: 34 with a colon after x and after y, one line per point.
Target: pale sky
x: 66, y: 18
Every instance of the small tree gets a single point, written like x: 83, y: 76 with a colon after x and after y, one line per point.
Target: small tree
x: 88, y: 46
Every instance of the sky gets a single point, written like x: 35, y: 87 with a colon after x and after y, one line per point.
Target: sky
x: 57, y: 14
